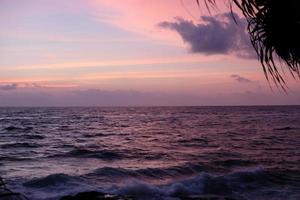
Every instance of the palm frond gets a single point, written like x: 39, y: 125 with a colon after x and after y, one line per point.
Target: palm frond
x: 274, y: 28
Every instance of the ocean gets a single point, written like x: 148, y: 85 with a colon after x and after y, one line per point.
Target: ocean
x: 152, y: 153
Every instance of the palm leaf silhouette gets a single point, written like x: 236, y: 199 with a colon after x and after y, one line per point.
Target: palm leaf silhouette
x: 274, y: 28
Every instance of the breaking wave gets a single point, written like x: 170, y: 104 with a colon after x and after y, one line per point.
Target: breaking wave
x: 243, y: 184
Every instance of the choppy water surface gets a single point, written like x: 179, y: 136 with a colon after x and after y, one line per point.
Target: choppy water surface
x: 152, y: 153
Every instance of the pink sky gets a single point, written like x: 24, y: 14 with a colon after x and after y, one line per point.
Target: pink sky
x: 57, y: 48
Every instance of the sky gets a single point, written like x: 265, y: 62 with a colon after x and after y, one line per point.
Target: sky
x: 130, y: 53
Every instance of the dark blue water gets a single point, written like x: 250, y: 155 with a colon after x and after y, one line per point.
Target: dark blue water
x: 152, y: 153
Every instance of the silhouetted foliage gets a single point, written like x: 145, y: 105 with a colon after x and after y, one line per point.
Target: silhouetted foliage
x: 274, y: 27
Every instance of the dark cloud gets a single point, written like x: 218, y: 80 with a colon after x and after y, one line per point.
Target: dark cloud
x: 15, y: 86
x: 219, y: 34
x: 11, y: 86
x: 240, y: 79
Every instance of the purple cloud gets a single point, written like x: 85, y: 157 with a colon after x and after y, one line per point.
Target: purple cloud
x: 219, y: 34
x: 11, y: 86
x: 240, y: 79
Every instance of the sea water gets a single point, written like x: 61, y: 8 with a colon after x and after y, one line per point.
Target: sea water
x: 152, y: 152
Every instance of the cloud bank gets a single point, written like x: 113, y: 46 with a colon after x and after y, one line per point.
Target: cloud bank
x: 219, y: 34
x: 11, y: 86
x: 94, y: 97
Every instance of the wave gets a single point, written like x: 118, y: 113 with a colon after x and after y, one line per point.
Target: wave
x: 20, y: 145
x: 85, y: 153
x: 6, y: 158
x: 235, y: 185
x: 171, y: 172
x: 116, y: 154
x: 52, y: 180
x: 233, y: 162
x: 15, y: 128
x: 286, y: 128
x: 53, y: 187
x: 34, y: 137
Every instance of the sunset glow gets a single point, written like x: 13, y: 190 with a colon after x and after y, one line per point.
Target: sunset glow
x: 62, y: 47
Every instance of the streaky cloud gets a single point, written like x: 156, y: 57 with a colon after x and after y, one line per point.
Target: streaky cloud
x: 240, y: 79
